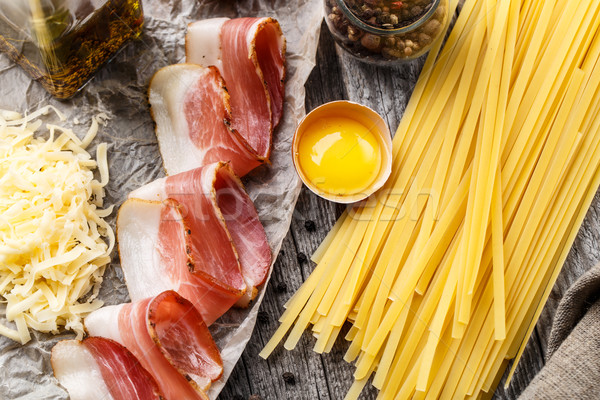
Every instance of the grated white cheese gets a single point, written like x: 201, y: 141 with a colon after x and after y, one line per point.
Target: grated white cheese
x: 52, y: 233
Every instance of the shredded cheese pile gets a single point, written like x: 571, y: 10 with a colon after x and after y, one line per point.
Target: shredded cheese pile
x: 52, y: 247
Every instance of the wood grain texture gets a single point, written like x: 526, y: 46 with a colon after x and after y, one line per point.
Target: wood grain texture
x: 328, y: 377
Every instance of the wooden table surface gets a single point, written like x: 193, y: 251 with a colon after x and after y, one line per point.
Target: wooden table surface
x: 327, y: 377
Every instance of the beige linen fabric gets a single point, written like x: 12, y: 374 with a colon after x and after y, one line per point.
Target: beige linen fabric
x: 572, y: 370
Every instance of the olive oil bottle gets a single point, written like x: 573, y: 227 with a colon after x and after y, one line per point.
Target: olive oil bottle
x: 62, y: 43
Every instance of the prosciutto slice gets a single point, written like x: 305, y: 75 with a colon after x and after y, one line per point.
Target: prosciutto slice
x: 169, y: 338
x: 250, y: 53
x: 192, y: 112
x: 155, y: 249
x: 227, y: 239
x: 101, y: 369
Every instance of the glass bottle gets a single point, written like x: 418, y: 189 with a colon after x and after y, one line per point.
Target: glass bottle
x: 385, y: 32
x: 62, y: 43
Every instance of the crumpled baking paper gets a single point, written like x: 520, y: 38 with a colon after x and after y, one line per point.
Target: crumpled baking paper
x: 119, y: 90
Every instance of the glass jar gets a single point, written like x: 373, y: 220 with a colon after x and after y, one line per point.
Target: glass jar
x: 61, y: 43
x: 385, y: 32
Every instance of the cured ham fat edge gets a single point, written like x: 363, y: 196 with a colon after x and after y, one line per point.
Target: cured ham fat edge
x: 101, y: 369
x: 168, y: 337
x: 197, y: 233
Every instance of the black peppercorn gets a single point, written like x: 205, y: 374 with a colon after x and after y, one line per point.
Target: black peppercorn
x: 289, y: 378
x: 281, y: 287
x: 302, y: 258
x: 310, y: 225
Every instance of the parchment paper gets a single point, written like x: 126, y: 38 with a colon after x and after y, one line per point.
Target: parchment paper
x: 119, y: 90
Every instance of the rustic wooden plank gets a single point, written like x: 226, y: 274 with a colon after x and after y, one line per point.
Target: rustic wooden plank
x: 323, y: 84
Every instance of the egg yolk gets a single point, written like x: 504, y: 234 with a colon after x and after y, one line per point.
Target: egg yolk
x: 339, y: 155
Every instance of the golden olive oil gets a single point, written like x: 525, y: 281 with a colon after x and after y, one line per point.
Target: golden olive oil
x: 63, y: 46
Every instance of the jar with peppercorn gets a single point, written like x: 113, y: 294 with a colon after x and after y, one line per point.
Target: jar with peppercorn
x: 385, y: 32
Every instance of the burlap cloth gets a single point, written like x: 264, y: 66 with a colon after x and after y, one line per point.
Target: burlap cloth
x: 572, y: 370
